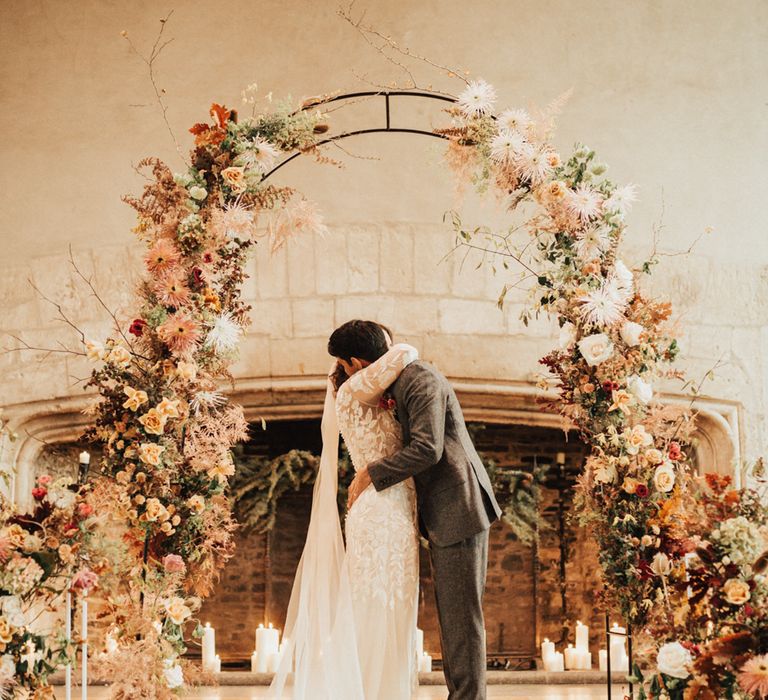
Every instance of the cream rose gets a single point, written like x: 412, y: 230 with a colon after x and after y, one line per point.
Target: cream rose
x: 174, y: 676
x: 736, y: 591
x: 640, y: 389
x: 177, y: 610
x: 16, y: 536
x: 673, y: 660
x: 186, y: 370
x: 149, y: 453
x: 198, y: 193
x: 654, y: 456
x: 596, y: 348
x: 630, y: 333
x: 7, y: 666
x: 235, y: 178
x: 664, y: 477
x: 636, y: 438
x: 119, y: 356
x: 94, y: 351
x: 6, y: 633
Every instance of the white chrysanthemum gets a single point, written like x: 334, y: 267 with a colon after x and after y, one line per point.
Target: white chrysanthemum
x: 224, y: 334
x: 620, y: 201
x: 584, y: 202
x: 603, y: 306
x: 506, y: 145
x: 477, y: 98
x: 533, y: 164
x: 207, y: 399
x: 592, y: 243
x: 260, y: 155
x: 235, y: 221
x: 515, y: 120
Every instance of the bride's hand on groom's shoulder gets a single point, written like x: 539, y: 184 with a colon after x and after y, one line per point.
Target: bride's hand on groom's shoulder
x: 361, y: 482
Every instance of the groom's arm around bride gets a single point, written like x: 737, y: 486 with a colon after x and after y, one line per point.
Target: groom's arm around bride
x: 456, y: 507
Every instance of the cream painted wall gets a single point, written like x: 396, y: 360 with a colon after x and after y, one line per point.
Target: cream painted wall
x: 672, y: 94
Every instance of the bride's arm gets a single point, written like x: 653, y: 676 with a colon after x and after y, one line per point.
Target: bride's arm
x: 369, y: 384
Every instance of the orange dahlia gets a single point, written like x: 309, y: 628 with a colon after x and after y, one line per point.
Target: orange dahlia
x: 162, y: 256
x: 753, y: 676
x: 180, y: 333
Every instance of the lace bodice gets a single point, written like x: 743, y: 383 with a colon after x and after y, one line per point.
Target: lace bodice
x: 371, y: 430
x: 382, y: 544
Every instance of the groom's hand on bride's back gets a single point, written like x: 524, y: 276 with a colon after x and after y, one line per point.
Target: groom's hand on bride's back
x: 361, y: 482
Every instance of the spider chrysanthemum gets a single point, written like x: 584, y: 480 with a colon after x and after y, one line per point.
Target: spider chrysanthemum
x: 477, y: 98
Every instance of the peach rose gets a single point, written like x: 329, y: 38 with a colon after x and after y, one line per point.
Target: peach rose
x: 177, y: 610
x: 153, y: 422
x: 149, y: 453
x: 6, y: 634
x: 196, y: 503
x: 155, y: 510
x: 235, y: 177
x: 636, y: 438
x: 736, y: 591
x: 136, y: 397
x: 168, y: 408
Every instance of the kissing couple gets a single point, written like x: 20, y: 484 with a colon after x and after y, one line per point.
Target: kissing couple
x: 350, y: 631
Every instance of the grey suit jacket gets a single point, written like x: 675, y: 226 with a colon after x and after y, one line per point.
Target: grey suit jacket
x: 454, y: 494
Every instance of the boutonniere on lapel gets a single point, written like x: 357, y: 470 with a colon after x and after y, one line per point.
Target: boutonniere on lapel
x: 388, y: 403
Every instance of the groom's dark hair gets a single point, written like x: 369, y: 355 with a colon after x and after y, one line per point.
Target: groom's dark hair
x: 366, y: 340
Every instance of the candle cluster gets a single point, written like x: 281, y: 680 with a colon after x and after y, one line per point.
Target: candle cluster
x: 577, y: 658
x: 268, y: 652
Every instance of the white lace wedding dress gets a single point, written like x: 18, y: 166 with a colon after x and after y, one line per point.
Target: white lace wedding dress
x: 382, y: 536
x: 350, y: 631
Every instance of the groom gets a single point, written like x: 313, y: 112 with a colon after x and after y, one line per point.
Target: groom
x: 456, y: 505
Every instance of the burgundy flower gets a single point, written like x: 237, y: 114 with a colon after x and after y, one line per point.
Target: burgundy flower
x: 85, y: 579
x: 197, y: 277
x: 387, y: 403
x: 610, y: 386
x: 137, y: 327
x: 641, y: 490
x: 39, y: 493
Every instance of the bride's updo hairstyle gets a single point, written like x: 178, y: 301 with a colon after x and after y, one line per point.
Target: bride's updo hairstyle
x: 365, y: 340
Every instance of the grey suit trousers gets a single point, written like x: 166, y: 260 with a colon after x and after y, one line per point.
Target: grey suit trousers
x: 459, y: 572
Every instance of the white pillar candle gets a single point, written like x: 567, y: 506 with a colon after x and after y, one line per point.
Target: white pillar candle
x: 616, y: 646
x: 583, y: 660
x: 267, y: 641
x: 254, y: 662
x: 425, y: 663
x: 547, y: 648
x: 582, y: 636
x: 559, y: 664
x: 216, y: 664
x: 419, y: 643
x: 273, y: 663
x: 570, y: 658
x: 602, y: 660
x: 209, y: 647
x: 84, y: 635
x: 85, y: 458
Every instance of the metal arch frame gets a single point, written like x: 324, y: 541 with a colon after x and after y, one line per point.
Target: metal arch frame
x: 386, y: 94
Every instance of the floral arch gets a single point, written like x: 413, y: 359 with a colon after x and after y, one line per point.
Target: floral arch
x: 680, y: 556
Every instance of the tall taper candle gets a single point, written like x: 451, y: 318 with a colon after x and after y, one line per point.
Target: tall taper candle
x: 68, y: 632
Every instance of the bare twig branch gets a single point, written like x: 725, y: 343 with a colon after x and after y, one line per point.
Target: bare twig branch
x: 157, y: 49
x: 387, y: 46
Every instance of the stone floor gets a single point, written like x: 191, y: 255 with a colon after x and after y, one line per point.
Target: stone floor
x: 434, y: 692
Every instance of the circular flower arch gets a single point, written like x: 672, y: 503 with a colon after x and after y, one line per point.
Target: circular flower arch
x: 681, y: 557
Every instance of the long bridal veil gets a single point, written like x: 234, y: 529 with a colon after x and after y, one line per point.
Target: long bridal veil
x: 320, y: 657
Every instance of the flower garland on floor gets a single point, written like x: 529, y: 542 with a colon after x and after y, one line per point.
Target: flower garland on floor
x: 681, y: 560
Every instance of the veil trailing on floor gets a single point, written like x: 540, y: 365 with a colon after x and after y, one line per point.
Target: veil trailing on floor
x: 320, y: 657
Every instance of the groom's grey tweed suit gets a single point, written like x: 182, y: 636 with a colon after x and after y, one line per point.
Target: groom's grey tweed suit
x: 456, y: 507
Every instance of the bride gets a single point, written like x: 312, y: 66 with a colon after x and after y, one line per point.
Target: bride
x: 350, y: 631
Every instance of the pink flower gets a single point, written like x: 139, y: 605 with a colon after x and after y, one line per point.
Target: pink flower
x: 44, y: 480
x: 85, y: 579
x: 180, y: 333
x: 85, y: 510
x: 162, y: 256
x: 39, y: 493
x: 6, y: 547
x: 675, y: 452
x: 753, y: 676
x: 173, y: 563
